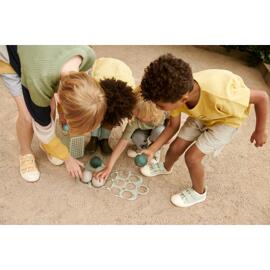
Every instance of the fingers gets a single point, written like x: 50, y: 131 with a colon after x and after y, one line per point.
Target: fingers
x: 102, y: 176
x: 79, y: 172
x: 80, y: 163
x: 74, y: 170
x: 259, y: 143
x: 98, y: 175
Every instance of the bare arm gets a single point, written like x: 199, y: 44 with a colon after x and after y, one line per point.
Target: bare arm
x: 261, y: 104
x: 120, y: 147
x: 164, y: 137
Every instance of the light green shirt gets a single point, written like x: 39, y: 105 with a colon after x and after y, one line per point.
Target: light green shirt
x: 137, y: 124
x: 41, y: 67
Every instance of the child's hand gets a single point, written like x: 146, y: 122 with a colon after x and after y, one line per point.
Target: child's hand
x: 260, y: 138
x: 73, y: 167
x: 103, y: 174
x: 149, y: 154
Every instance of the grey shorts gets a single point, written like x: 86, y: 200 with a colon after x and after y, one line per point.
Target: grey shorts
x: 208, y: 139
x: 13, y: 84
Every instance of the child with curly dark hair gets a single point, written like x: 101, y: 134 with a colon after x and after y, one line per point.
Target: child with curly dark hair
x: 216, y: 101
x: 117, y: 81
x: 146, y: 125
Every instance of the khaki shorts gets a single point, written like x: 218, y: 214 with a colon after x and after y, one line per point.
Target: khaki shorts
x: 208, y: 139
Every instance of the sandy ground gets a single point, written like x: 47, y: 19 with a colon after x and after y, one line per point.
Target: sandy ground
x: 238, y: 179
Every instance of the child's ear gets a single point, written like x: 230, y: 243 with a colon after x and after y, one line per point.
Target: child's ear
x: 184, y: 98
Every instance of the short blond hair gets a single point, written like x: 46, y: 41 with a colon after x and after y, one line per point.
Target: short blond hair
x: 83, y: 102
x: 147, y: 109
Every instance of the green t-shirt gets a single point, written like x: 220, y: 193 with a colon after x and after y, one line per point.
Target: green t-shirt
x: 41, y: 67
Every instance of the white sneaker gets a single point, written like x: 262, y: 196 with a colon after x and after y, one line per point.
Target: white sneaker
x: 154, y: 169
x: 28, y: 168
x: 55, y: 161
x: 131, y: 153
x: 188, y: 197
x: 156, y: 157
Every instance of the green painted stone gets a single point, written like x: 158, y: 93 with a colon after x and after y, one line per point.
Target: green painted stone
x: 141, y: 160
x: 65, y: 127
x: 95, y: 162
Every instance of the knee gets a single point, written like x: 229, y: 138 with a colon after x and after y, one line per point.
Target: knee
x: 138, y: 139
x: 155, y: 133
x: 191, y: 158
x: 175, y: 148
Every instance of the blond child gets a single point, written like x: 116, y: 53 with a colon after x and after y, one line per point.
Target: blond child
x: 217, y: 102
x: 41, y: 71
x: 147, y: 123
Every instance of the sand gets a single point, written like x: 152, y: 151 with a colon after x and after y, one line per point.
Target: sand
x: 238, y: 179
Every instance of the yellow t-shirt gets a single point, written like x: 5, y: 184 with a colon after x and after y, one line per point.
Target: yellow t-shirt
x: 224, y: 99
x: 108, y: 68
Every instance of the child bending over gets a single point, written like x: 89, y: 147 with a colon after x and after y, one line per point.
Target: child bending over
x: 106, y: 68
x: 147, y: 123
x: 216, y: 101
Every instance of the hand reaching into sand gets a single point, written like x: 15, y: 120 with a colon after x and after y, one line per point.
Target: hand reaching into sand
x: 104, y: 174
x: 73, y: 167
x: 149, y: 154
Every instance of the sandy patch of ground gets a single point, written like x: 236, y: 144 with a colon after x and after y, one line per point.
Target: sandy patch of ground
x: 238, y: 179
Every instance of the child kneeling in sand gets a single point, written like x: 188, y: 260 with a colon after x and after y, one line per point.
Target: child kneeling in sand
x: 145, y: 127
x: 217, y: 102
x: 119, y: 103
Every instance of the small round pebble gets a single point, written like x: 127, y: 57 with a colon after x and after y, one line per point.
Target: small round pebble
x: 96, y: 183
x: 95, y: 162
x: 141, y: 160
x: 87, y: 177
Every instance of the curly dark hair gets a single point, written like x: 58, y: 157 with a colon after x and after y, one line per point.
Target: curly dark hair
x: 166, y: 79
x: 120, y: 101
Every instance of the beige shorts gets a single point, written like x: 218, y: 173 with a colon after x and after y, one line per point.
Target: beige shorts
x: 208, y: 139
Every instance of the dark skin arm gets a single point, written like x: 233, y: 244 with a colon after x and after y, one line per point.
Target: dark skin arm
x: 260, y: 100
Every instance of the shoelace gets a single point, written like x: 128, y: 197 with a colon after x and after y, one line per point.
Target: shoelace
x: 156, y: 167
x: 186, y: 195
x: 27, y: 163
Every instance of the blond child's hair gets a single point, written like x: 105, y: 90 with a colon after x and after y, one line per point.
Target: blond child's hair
x: 147, y: 109
x: 83, y: 102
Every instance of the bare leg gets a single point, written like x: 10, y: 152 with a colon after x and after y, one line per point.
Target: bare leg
x: 176, y: 149
x: 23, y: 126
x: 104, y: 139
x: 193, y: 159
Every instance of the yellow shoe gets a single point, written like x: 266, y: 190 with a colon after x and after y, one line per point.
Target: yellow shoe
x: 28, y: 168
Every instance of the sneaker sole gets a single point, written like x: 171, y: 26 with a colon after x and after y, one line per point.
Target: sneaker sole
x: 152, y: 175
x: 30, y: 181
x: 186, y: 205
